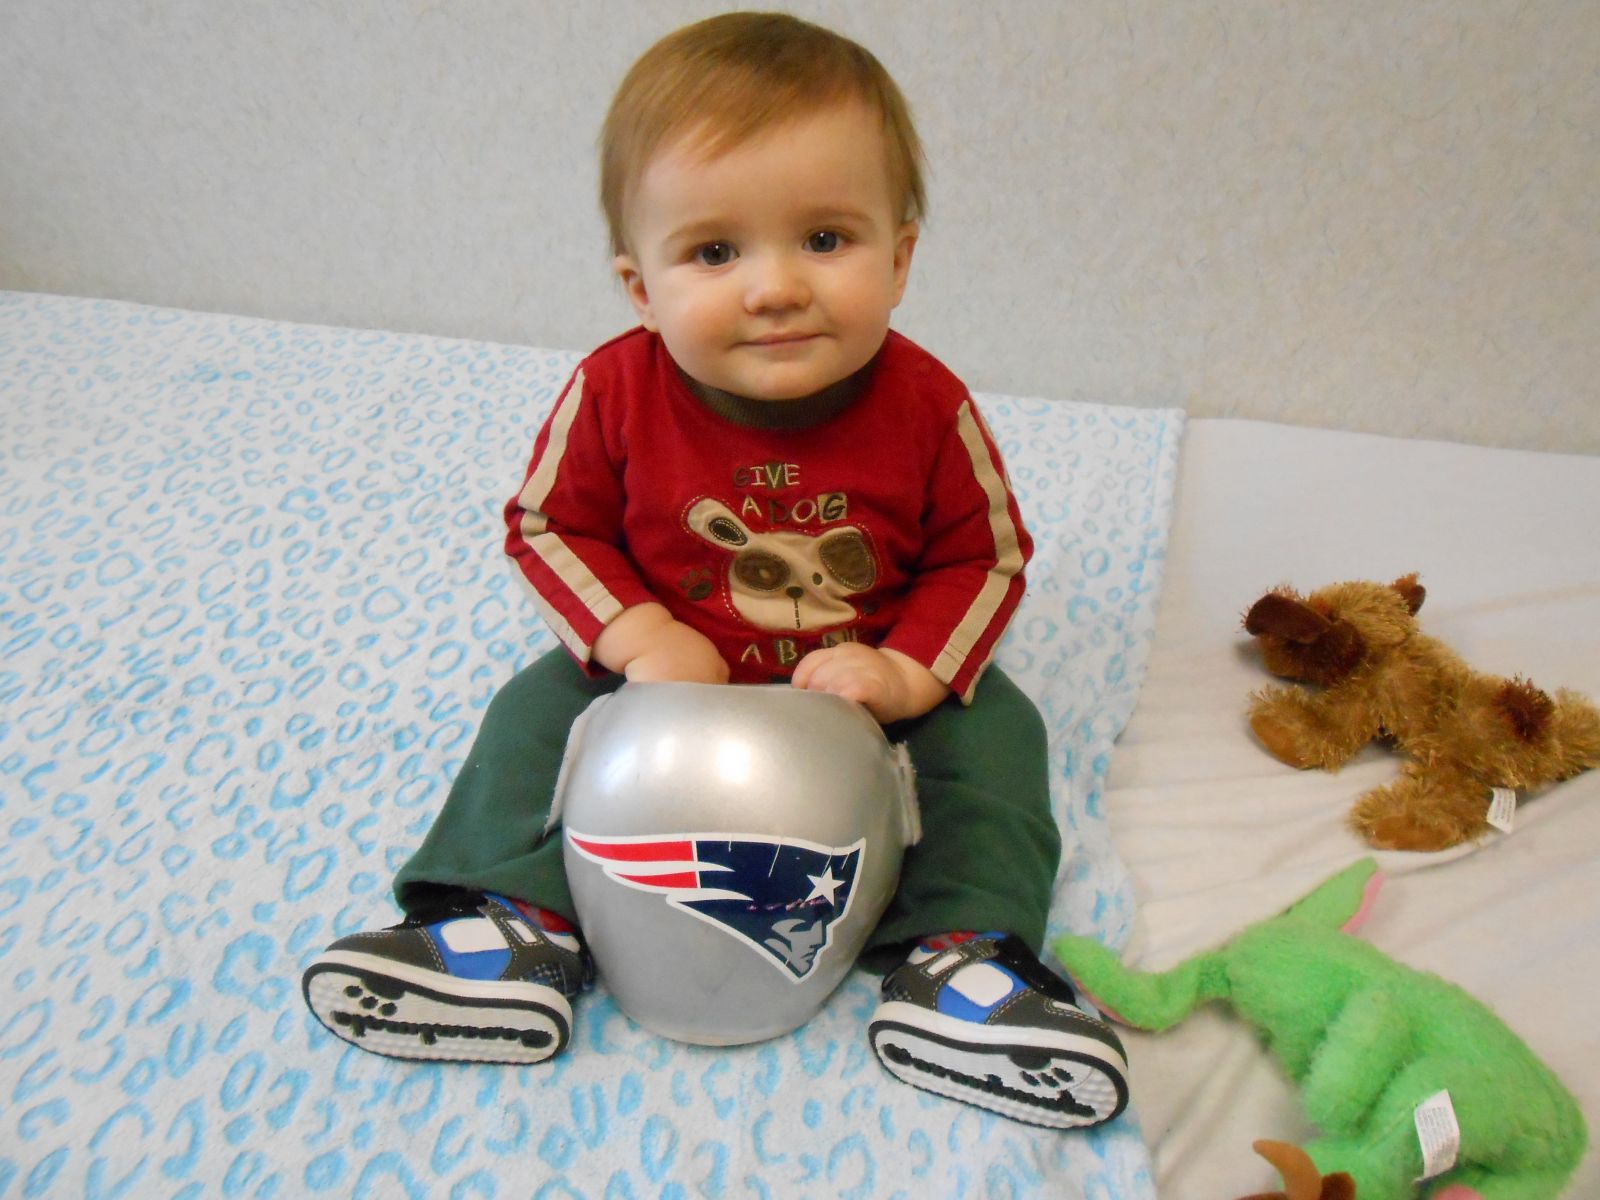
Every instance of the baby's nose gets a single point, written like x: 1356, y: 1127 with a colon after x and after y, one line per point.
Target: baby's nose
x: 776, y: 283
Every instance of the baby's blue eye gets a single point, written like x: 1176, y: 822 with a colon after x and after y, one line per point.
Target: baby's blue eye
x: 824, y: 241
x: 715, y: 254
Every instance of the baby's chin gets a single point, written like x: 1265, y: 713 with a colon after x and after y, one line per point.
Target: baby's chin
x: 785, y: 395
x: 777, y: 385
x: 769, y: 391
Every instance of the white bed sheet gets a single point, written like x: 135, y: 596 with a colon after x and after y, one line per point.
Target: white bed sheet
x: 1217, y: 834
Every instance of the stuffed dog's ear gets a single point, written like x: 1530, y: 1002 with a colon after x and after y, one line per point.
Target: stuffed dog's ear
x: 1299, y: 642
x: 1285, y: 616
x: 1412, y: 592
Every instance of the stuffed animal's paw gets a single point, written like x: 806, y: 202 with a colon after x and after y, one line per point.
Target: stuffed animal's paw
x: 1281, y: 739
x: 1290, y: 727
x: 1423, y: 811
x: 1401, y: 832
x: 1301, y: 1179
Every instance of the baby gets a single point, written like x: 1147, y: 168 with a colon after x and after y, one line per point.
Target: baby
x: 761, y: 483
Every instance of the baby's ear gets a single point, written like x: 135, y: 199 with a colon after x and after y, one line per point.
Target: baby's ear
x: 905, y: 244
x: 627, y: 270
x: 1412, y: 592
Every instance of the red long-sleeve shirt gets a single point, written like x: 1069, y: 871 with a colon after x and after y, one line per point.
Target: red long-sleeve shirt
x: 881, y: 516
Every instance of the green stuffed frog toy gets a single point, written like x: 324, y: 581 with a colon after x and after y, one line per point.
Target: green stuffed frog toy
x: 1369, y: 1040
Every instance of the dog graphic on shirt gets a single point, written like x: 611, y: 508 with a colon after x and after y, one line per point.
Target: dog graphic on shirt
x: 784, y: 579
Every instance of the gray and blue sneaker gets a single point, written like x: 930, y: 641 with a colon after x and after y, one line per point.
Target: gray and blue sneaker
x: 469, y: 978
x: 980, y: 1019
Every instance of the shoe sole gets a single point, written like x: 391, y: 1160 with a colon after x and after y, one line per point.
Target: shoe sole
x: 1041, y: 1077
x: 399, y: 1011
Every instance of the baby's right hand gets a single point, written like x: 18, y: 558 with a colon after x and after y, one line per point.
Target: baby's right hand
x: 678, y: 654
x: 645, y: 644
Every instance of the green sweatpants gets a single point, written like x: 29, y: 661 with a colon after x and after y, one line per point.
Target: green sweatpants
x: 986, y: 861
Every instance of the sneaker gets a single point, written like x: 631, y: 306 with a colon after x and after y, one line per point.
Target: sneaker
x: 980, y: 1019
x: 467, y: 979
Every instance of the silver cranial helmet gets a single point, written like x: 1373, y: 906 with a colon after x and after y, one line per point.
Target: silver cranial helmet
x: 730, y: 849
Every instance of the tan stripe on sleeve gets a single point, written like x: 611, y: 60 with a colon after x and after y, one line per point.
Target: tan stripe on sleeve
x: 1008, y: 550
x: 550, y: 548
x: 537, y: 489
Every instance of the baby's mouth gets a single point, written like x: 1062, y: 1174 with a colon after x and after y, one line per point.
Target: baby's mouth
x: 781, y: 339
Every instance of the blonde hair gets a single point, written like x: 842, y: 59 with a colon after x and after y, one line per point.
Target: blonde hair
x: 726, y: 79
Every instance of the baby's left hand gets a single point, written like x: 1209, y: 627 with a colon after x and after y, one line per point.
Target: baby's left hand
x: 891, y: 686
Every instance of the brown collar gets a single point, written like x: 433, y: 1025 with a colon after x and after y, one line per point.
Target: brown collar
x: 802, y: 413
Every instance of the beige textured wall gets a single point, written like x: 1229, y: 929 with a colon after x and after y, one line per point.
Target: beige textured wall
x: 1362, y: 214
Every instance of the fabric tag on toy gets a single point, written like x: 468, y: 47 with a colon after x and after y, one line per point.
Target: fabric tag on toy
x: 1502, y: 808
x: 1439, y: 1134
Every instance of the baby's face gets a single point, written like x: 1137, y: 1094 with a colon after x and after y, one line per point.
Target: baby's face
x: 770, y: 270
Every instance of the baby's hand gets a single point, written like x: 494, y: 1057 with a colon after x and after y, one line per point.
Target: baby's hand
x: 679, y: 654
x: 891, y: 686
x: 645, y: 644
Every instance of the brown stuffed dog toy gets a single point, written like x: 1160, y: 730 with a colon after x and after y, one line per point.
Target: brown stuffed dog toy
x: 1380, y: 676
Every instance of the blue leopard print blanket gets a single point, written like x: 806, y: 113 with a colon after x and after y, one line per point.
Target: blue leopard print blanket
x: 226, y: 717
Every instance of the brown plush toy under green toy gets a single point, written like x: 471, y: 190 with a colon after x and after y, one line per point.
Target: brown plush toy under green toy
x: 1369, y: 1040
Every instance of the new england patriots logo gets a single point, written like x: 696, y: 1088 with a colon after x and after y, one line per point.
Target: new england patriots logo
x: 779, y: 895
